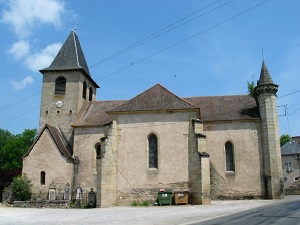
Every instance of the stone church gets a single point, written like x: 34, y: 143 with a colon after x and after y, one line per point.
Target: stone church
x: 212, y: 147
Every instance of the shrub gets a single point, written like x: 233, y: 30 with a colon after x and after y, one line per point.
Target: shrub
x: 21, y: 188
x: 135, y: 203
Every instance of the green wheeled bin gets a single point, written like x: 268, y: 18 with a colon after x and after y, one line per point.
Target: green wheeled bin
x: 165, y: 198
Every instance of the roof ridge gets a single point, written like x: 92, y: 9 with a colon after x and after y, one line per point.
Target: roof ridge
x: 156, y: 97
x: 177, y: 95
x: 213, y: 96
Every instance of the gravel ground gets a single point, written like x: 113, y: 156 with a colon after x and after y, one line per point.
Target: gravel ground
x: 181, y: 214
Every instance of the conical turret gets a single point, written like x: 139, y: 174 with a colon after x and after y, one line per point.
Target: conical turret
x: 265, y: 83
x: 266, y: 97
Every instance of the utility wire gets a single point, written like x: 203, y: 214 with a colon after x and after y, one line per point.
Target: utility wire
x: 294, y: 112
x: 289, y: 94
x: 171, y: 46
x: 184, y: 40
x: 134, y: 45
x: 19, y: 101
x: 160, y: 32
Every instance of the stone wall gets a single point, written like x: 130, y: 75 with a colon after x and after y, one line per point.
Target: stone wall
x: 42, y: 204
x: 172, y: 132
x: 292, y: 191
x: 46, y: 157
x: 246, y: 179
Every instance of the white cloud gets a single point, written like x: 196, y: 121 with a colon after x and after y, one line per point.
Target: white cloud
x: 19, y: 49
x: 26, y: 15
x: 43, y: 58
x: 18, y: 85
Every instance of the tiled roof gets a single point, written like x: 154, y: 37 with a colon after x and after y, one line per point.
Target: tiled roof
x: 57, y: 138
x: 290, y: 148
x: 212, y: 108
x: 94, y: 113
x: 222, y: 108
x: 155, y: 98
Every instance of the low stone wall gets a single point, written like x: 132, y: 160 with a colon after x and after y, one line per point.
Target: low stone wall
x: 292, y: 191
x: 42, y: 204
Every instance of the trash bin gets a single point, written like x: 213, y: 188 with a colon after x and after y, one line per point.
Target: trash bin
x: 181, y: 197
x: 165, y: 198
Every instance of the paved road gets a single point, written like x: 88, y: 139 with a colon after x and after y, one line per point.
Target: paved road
x: 286, y: 212
x: 161, y: 215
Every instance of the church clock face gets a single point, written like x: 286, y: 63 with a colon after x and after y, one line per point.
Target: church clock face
x: 59, y: 104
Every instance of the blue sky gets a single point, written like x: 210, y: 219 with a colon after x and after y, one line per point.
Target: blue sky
x: 211, y: 47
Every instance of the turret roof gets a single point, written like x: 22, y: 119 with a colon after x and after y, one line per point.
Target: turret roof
x: 265, y: 77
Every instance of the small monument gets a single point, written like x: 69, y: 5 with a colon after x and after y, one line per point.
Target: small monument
x: 78, y: 195
x: 92, y: 199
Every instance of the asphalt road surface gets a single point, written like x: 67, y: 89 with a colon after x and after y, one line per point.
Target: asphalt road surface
x: 280, y: 213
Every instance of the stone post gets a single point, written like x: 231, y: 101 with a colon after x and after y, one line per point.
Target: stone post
x: 205, y: 178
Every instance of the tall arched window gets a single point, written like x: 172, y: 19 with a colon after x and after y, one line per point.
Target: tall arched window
x: 60, y: 86
x: 229, y: 156
x: 84, y: 90
x: 43, y: 178
x: 91, y: 94
x: 152, y: 142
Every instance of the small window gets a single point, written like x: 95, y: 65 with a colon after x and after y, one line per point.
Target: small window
x: 84, y: 90
x: 152, y: 142
x: 229, y: 156
x: 100, y: 152
x: 43, y: 178
x: 285, y: 179
x: 91, y: 94
x: 288, y: 167
x: 60, y: 86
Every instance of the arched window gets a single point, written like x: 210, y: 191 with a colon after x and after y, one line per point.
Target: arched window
x: 229, y: 156
x: 91, y: 94
x: 43, y: 178
x: 152, y: 144
x: 84, y: 90
x: 60, y: 86
x: 98, y: 151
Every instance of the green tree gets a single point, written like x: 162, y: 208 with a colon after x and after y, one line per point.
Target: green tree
x: 14, y: 148
x: 284, y: 139
x: 251, y: 89
x: 21, y: 188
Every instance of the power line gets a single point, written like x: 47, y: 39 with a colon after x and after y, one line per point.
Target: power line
x: 294, y: 112
x: 171, y: 46
x: 160, y: 32
x: 289, y: 94
x: 186, y: 39
x: 134, y: 45
x: 19, y: 101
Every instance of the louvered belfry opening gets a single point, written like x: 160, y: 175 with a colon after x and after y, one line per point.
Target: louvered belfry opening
x: 60, y: 86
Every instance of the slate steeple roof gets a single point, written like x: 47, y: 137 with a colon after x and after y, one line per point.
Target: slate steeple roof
x: 70, y: 56
x: 265, y: 77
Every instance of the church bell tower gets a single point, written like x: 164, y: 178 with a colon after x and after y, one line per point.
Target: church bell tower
x: 266, y: 95
x: 67, y: 86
